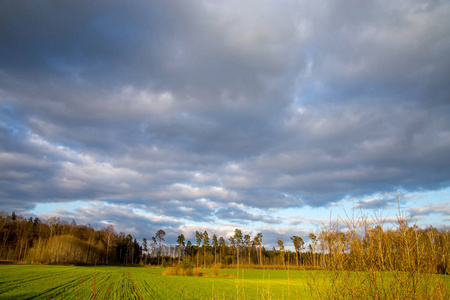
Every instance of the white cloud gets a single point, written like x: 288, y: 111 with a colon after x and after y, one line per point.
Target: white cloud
x: 432, y: 208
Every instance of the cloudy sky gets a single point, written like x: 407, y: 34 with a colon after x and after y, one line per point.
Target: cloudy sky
x: 211, y: 115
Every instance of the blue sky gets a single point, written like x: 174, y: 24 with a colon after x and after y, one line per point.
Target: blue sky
x: 205, y: 115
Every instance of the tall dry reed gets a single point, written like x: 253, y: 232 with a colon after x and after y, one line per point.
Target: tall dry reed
x: 369, y: 258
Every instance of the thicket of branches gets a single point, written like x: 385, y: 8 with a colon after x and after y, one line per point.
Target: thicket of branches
x: 363, y: 244
x: 400, y: 262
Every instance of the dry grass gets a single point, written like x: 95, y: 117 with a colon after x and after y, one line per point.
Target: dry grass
x: 371, y: 259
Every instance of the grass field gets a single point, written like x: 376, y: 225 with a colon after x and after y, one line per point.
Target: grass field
x: 69, y: 282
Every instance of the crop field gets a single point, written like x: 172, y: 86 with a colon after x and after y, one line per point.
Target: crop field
x: 71, y: 282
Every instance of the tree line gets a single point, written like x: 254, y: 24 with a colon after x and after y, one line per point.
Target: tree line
x: 366, y: 245
x: 57, y: 241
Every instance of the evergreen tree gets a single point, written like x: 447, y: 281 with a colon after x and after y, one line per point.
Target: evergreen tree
x: 215, y: 245
x: 281, y: 245
x: 160, y: 235
x: 205, y: 246
x: 198, y: 239
x: 223, y: 245
x: 298, y: 245
x: 180, y: 242
x: 238, y: 239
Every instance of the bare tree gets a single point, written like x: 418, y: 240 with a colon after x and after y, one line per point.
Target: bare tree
x: 313, y: 239
x: 110, y: 236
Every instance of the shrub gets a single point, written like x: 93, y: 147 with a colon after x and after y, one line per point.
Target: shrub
x: 185, y: 264
x: 170, y: 271
x: 165, y: 263
x: 197, y: 272
x: 216, y: 271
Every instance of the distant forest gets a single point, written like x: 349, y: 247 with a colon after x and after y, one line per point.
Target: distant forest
x: 360, y: 244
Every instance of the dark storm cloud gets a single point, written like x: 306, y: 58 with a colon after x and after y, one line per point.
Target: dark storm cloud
x: 198, y: 210
x: 187, y: 109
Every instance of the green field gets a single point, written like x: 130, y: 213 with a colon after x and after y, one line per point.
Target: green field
x: 70, y: 282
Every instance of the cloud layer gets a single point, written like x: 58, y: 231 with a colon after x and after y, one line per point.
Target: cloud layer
x: 207, y: 111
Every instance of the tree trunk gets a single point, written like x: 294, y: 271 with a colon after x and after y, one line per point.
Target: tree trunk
x: 159, y: 258
x: 260, y: 255
x: 237, y: 254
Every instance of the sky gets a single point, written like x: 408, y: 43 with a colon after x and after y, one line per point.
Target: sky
x: 268, y: 116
